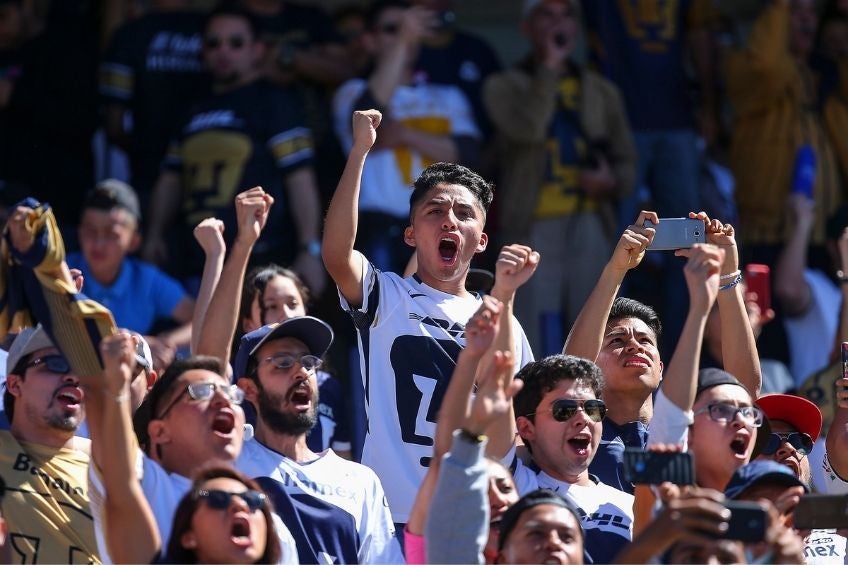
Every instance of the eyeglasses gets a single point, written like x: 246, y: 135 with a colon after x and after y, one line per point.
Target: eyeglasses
x: 234, y: 42
x: 802, y: 442
x: 751, y: 415
x: 287, y: 361
x: 54, y: 363
x: 205, y: 391
x: 565, y: 408
x: 221, y: 499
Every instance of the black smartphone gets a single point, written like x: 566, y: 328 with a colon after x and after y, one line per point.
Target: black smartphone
x: 821, y: 511
x: 676, y: 233
x: 652, y: 468
x: 748, y: 521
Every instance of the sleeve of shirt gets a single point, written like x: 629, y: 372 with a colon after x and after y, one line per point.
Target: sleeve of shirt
x: 117, y: 73
x: 669, y: 424
x: 290, y: 140
x: 826, y: 480
x: 364, y: 316
x: 167, y: 292
x: 525, y: 479
x: 457, y: 525
x: 288, y: 547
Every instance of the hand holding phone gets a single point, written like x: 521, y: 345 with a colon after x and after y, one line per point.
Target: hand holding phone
x: 652, y: 467
x: 758, y: 281
x: 748, y: 521
x: 676, y: 233
x: 821, y: 511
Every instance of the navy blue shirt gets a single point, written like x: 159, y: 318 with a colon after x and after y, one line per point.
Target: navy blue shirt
x: 608, y: 462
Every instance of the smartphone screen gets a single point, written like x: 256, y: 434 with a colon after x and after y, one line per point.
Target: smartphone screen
x: 748, y: 521
x: 652, y: 468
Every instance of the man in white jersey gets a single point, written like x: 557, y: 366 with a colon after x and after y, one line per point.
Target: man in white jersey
x: 558, y: 412
x: 410, y: 329
x: 336, y: 509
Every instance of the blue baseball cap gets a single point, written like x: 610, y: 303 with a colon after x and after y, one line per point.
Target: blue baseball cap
x: 316, y: 334
x: 755, y: 472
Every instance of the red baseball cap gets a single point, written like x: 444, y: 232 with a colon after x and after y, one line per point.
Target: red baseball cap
x: 800, y: 412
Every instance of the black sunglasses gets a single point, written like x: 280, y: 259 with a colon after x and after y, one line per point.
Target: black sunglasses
x: 802, y: 442
x: 234, y: 42
x: 221, y: 499
x: 565, y: 408
x: 54, y: 363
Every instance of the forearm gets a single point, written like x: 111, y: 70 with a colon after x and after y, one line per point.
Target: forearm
x: 587, y: 333
x: 164, y: 204
x: 681, y: 377
x: 179, y: 336
x: 837, y: 443
x: 458, y: 522
x: 501, y: 432
x: 388, y: 74
x: 790, y: 286
x: 454, y: 407
x: 438, y: 148
x: 738, y: 345
x: 301, y: 188
x: 219, y: 325
x: 212, y: 267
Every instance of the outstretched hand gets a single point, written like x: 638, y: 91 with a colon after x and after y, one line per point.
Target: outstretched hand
x: 118, y: 354
x: 724, y: 236
x: 495, y: 390
x: 631, y: 246
x: 252, y: 208
x: 702, y: 271
x: 209, y: 233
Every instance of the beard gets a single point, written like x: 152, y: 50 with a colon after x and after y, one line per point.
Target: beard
x: 283, y: 422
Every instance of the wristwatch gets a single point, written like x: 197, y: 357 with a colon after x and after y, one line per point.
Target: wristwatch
x: 313, y: 247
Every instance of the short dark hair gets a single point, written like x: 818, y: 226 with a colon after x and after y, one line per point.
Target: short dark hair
x: 233, y: 10
x: 451, y: 173
x: 8, y: 397
x: 150, y: 407
x: 541, y: 377
x: 531, y: 500
x: 628, y: 308
x: 177, y: 553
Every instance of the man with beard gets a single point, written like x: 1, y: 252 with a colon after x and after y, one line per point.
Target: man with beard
x: 43, y: 463
x: 341, y: 513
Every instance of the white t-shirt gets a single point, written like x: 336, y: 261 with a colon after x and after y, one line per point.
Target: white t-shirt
x: 410, y: 336
x: 606, y: 512
x: 812, y: 334
x: 355, y: 524
x: 163, y: 491
x: 825, y: 479
x: 388, y: 174
x: 824, y: 547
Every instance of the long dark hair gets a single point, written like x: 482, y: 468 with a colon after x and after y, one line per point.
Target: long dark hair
x: 176, y: 553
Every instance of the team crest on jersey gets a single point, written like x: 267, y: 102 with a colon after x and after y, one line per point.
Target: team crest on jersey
x: 455, y: 329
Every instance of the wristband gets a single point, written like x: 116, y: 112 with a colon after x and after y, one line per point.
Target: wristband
x: 732, y: 275
x: 313, y: 247
x: 732, y: 283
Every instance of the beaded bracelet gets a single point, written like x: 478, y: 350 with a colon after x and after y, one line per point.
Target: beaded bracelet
x: 732, y: 283
x: 732, y: 275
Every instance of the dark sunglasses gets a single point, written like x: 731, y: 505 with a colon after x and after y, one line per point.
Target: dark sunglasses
x: 54, y: 363
x: 802, y: 442
x: 221, y: 499
x: 234, y: 42
x: 565, y: 408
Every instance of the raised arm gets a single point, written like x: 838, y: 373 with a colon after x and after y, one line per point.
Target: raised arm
x: 301, y: 187
x: 132, y: 535
x: 164, y: 206
x: 343, y: 263
x: 790, y: 286
x: 587, y: 333
x: 210, y: 235
x: 702, y: 278
x: 738, y: 344
x: 219, y: 325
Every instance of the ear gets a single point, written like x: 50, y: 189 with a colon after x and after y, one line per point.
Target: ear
x: 251, y: 391
x: 188, y: 540
x: 152, y: 377
x: 484, y: 241
x: 135, y: 242
x: 409, y: 236
x: 158, y: 432
x: 526, y: 429
x: 13, y: 385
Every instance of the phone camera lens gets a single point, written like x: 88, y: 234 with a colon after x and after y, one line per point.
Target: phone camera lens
x: 697, y: 233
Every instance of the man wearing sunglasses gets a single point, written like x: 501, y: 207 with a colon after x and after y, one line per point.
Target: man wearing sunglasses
x: 795, y: 426
x: 339, y: 508
x: 558, y: 415
x: 42, y: 461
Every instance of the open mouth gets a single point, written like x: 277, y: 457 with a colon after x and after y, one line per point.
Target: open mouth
x: 69, y: 396
x: 580, y: 444
x: 301, y: 396
x: 448, y: 249
x: 739, y: 445
x: 636, y: 361
x: 240, y: 531
x: 224, y: 423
